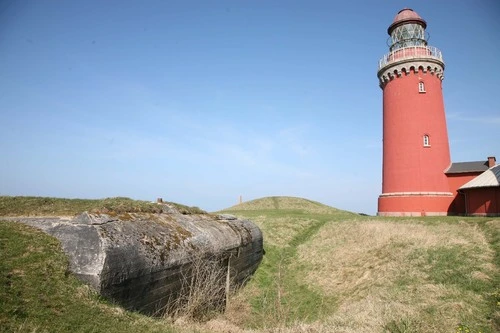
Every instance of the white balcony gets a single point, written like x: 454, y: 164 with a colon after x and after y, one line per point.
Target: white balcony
x: 410, y: 52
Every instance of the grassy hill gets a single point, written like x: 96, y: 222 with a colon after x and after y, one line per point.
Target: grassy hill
x: 284, y: 203
x: 328, y: 270
x: 325, y: 270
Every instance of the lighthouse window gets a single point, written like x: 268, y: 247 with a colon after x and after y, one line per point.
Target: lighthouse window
x: 427, y: 142
x: 421, y: 87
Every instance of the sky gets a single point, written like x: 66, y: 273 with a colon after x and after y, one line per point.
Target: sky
x: 201, y: 102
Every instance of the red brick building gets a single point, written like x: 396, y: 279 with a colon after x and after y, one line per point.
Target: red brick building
x: 418, y: 176
x: 482, y: 194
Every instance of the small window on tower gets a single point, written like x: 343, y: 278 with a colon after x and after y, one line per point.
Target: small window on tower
x: 427, y: 141
x: 421, y: 87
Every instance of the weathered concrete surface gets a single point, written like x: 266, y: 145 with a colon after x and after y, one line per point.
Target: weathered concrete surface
x: 138, y: 259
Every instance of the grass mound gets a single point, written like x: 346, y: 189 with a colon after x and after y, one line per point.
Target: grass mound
x: 284, y: 203
x: 44, y: 206
x: 278, y: 295
x: 408, y: 274
x: 342, y: 272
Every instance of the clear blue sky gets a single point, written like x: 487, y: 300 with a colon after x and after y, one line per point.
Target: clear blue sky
x: 200, y: 102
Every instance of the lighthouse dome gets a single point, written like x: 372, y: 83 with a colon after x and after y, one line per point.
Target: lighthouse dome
x: 406, y: 15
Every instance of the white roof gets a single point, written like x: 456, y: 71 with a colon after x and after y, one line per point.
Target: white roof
x: 489, y: 178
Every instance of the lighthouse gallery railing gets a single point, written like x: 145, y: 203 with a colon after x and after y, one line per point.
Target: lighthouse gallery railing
x: 410, y: 52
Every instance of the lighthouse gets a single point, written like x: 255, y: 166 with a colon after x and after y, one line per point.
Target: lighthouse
x: 416, y: 151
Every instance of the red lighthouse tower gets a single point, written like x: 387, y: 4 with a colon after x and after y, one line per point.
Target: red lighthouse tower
x: 415, y: 140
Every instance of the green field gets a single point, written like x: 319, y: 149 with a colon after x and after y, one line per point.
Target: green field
x: 325, y: 270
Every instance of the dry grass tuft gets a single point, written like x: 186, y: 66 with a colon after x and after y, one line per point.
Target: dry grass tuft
x: 206, y: 285
x: 239, y: 311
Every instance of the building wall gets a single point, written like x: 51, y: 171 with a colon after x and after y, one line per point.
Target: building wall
x: 408, y: 166
x: 455, y: 181
x: 413, y: 179
x: 484, y: 201
x: 413, y: 205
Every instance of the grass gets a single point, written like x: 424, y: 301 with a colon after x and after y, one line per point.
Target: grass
x: 278, y: 295
x: 329, y: 270
x: 42, y: 206
x: 410, y: 275
x: 283, y: 297
x: 325, y: 270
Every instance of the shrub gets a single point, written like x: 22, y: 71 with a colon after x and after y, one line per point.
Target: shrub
x: 204, y: 288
